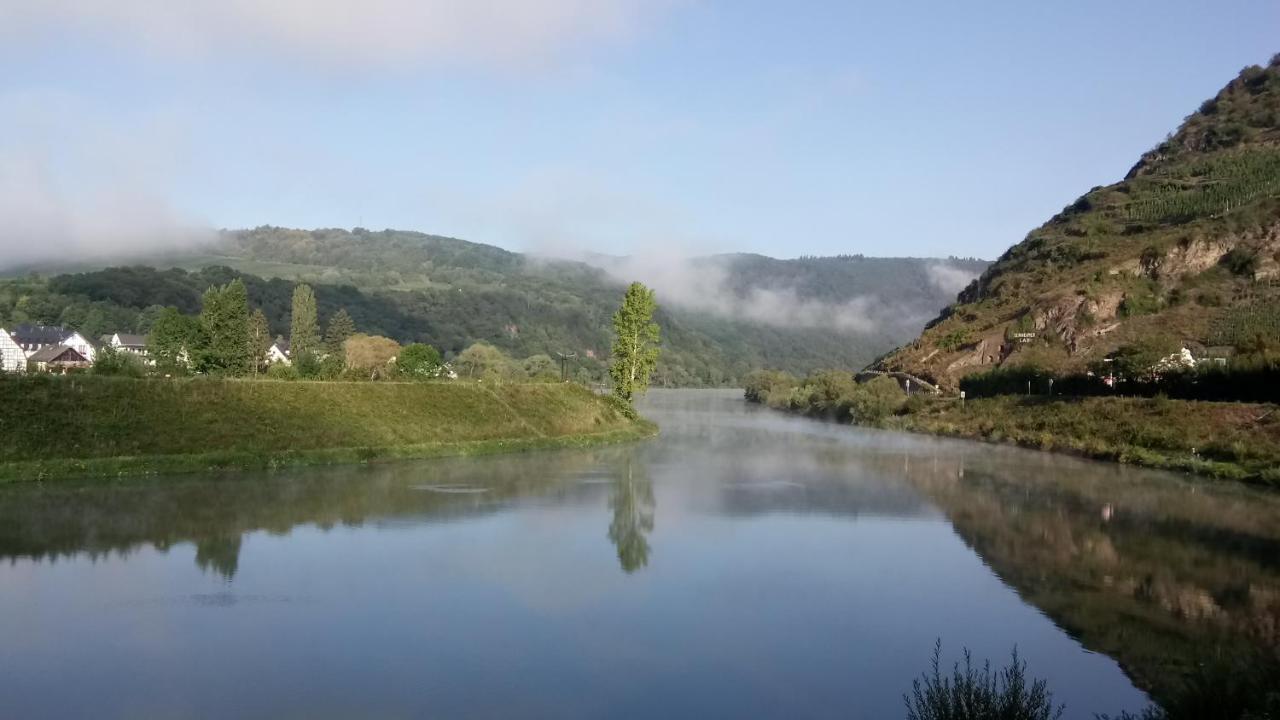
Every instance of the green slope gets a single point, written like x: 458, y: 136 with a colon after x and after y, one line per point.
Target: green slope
x: 1184, y: 251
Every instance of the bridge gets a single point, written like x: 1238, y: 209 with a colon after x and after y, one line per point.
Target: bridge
x: 906, y: 380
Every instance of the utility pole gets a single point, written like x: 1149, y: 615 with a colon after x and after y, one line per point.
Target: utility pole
x: 564, y: 365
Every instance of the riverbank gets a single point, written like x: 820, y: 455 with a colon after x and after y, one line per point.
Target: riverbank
x: 54, y: 427
x: 1237, y: 441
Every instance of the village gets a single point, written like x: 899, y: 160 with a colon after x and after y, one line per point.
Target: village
x: 60, y: 350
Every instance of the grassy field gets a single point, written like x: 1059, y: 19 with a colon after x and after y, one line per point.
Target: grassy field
x: 1229, y: 440
x: 60, y: 426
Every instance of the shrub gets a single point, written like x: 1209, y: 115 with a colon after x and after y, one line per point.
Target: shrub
x: 419, y: 361
x: 110, y: 361
x: 1241, y: 262
x: 760, y: 385
x: 877, y: 399
x: 979, y: 694
x: 954, y: 340
x: 280, y: 371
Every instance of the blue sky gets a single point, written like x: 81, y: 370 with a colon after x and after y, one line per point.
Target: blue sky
x: 617, y: 126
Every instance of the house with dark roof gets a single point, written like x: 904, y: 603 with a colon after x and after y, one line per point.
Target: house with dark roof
x: 33, y: 338
x: 124, y: 342
x: 57, y: 359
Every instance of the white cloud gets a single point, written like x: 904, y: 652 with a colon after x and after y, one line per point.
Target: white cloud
x: 948, y: 278
x: 344, y: 31
x: 703, y: 284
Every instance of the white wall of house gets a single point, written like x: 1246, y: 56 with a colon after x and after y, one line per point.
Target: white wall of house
x: 77, y: 342
x: 12, y: 357
x: 276, y: 355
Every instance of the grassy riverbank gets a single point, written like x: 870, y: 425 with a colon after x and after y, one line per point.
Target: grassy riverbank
x: 1238, y: 441
x: 56, y: 427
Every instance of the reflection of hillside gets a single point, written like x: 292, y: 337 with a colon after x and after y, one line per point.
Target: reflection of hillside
x: 1154, y: 573
x: 63, y: 520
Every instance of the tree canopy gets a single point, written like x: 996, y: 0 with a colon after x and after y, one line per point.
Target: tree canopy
x: 635, y: 343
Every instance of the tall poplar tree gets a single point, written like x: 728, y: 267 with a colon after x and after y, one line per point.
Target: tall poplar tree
x: 635, y: 343
x: 304, y: 339
x: 259, y: 338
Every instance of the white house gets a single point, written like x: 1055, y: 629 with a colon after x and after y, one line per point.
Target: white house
x: 34, y: 338
x: 279, y: 352
x: 124, y: 342
x: 12, y: 357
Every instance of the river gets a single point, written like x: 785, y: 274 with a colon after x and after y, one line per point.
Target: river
x: 743, y: 564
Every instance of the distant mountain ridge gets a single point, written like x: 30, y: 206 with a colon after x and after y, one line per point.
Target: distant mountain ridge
x: 1184, y: 252
x: 722, y: 316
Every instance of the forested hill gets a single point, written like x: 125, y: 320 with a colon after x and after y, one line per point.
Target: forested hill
x: 1184, y: 252
x: 722, y: 316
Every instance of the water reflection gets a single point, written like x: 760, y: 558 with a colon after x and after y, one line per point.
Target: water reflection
x: 631, y: 499
x: 801, y: 569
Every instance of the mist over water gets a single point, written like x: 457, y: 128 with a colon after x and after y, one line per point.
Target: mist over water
x: 744, y: 563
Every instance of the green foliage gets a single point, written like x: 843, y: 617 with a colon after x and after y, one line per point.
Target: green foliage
x: 224, y: 320
x: 306, y: 365
x: 635, y: 343
x: 1243, y: 327
x: 419, y: 362
x: 110, y: 361
x: 341, y: 327
x: 763, y: 384
x: 1143, y: 360
x: 304, y: 339
x: 979, y: 693
x: 831, y: 394
x: 450, y: 294
x: 1220, y: 183
x: 483, y: 361
x: 331, y: 367
x: 540, y: 368
x: 954, y: 340
x: 173, y: 340
x: 877, y: 399
x: 1140, y: 300
x: 281, y: 371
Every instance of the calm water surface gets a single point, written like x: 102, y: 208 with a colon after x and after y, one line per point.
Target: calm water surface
x: 743, y: 564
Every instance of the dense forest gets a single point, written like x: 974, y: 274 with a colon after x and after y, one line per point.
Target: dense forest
x: 451, y: 293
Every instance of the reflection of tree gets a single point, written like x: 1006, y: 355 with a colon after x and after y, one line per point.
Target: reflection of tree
x: 631, y: 500
x: 220, y: 554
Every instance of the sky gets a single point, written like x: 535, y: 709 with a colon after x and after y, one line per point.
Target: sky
x: 814, y: 127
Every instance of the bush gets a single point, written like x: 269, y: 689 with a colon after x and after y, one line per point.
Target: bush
x: 110, y: 361
x: 877, y: 399
x: 1241, y: 262
x: 973, y: 694
x: 763, y: 384
x: 281, y: 371
x: 419, y: 362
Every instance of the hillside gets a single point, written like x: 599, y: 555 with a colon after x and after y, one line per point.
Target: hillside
x: 1182, y: 252
x: 722, y: 316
